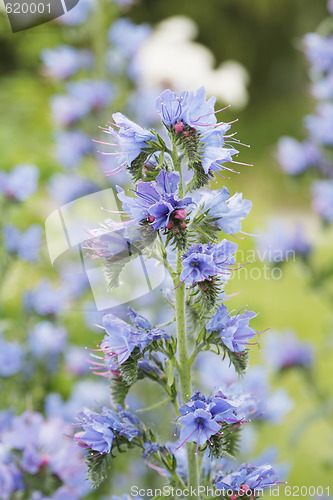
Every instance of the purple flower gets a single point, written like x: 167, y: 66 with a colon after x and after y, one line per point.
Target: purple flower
x: 41, y: 444
x: 64, y: 61
x: 201, y: 418
x: 280, y: 243
x: 46, y: 300
x: 84, y: 393
x: 71, y: 147
x: 47, y: 340
x: 97, y: 433
x: 66, y: 188
x: 247, y: 477
x: 322, y: 203
x: 77, y: 15
x: 198, y: 426
x: 287, y: 351
x: 128, y: 37
x: 320, y: 125
x: 95, y: 94
x: 66, y: 109
x: 11, y: 357
x: 227, y: 212
x: 100, y: 429
x: 295, y: 157
x: 25, y: 245
x: 323, y: 89
x: 20, y: 183
x: 213, y: 152
x: 234, y: 331
x: 122, y: 338
x: 150, y: 448
x: 156, y: 201
x: 192, y: 109
x: 203, y: 262
x: 319, y: 51
x: 130, y: 137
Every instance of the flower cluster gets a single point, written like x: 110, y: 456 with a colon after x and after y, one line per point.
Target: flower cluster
x: 247, y: 479
x: 122, y: 338
x: 170, y: 219
x: 100, y: 430
x: 36, y: 457
x: 314, y: 152
x: 205, y: 262
x: 157, y: 203
x: 233, y: 331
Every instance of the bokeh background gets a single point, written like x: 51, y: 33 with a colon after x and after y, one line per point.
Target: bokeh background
x: 253, y: 60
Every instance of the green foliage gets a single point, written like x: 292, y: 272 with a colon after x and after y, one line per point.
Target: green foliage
x: 203, y: 228
x: 45, y: 482
x: 239, y: 360
x: 98, y: 468
x: 226, y: 442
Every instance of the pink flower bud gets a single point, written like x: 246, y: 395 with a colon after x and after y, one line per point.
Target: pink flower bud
x: 233, y: 496
x: 245, y: 487
x: 170, y: 225
x: 183, y: 225
x: 180, y: 214
x: 179, y: 127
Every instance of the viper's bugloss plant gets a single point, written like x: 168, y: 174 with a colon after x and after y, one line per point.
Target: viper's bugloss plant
x: 184, y: 224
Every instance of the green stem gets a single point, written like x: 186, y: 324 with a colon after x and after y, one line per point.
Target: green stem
x: 156, y: 405
x: 183, y: 365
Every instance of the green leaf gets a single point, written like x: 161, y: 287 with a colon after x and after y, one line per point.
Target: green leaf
x: 170, y: 370
x: 98, y: 468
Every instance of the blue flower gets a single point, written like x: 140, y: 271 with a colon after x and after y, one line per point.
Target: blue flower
x: 78, y: 15
x: 122, y: 338
x: 101, y: 429
x: 67, y: 188
x: 25, y: 245
x: 11, y: 357
x: 247, y: 477
x: 319, y: 51
x: 64, y: 61
x: 71, y: 147
x: 128, y: 37
x: 320, y: 125
x: 97, y: 433
x: 234, y: 331
x: 95, y: 94
x: 322, y: 203
x: 131, y: 138
x: 287, y: 351
x: 227, y: 212
x: 20, y: 183
x: 203, y: 262
x: 213, y: 152
x: 47, y: 340
x: 156, y: 201
x: 66, y: 109
x: 198, y: 426
x: 295, y: 157
x: 46, y: 300
x: 192, y: 109
x: 150, y: 448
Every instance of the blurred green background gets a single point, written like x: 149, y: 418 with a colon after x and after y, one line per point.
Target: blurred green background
x: 265, y: 37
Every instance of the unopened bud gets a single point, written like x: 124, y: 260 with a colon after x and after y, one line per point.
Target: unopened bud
x: 179, y: 127
x: 180, y: 214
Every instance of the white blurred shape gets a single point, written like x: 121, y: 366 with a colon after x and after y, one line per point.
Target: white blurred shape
x: 171, y: 57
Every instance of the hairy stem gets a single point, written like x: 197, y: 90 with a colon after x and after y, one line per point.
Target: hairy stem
x: 183, y: 366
